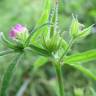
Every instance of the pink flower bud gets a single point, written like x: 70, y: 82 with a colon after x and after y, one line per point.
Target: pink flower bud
x: 17, y: 30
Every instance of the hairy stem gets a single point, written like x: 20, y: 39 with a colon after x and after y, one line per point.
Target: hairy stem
x: 67, y: 49
x: 59, y: 79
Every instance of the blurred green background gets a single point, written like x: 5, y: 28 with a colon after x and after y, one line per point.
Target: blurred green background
x: 42, y: 82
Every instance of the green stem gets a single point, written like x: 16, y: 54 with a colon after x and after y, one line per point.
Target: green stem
x: 67, y: 49
x: 59, y: 79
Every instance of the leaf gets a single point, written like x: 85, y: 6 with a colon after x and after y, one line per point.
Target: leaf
x: 6, y: 52
x: 32, y: 33
x: 84, y: 70
x: 59, y: 75
x: 53, y: 19
x: 5, y: 41
x: 81, y: 57
x: 85, y: 32
x: 8, y: 75
x: 42, y: 20
x: 40, y: 50
x: 64, y: 44
x: 40, y: 62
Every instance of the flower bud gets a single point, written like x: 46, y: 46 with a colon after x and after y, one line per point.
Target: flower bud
x: 51, y: 44
x: 19, y: 32
x: 78, y: 31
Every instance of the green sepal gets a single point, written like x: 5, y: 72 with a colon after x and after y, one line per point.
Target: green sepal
x: 74, y: 29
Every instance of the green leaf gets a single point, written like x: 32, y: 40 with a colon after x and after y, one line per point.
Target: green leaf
x: 85, y: 32
x: 64, y: 44
x: 53, y: 19
x: 32, y: 33
x: 8, y: 75
x: 40, y: 51
x: 6, y: 52
x: 81, y: 57
x: 40, y: 62
x: 84, y: 70
x: 6, y: 41
x: 43, y: 19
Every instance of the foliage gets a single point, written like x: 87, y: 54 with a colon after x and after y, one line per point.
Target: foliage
x: 46, y: 45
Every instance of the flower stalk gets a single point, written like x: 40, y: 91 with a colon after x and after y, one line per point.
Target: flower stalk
x: 58, y: 68
x: 67, y: 49
x: 59, y: 79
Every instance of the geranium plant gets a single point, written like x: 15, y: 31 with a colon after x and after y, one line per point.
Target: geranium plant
x: 47, y: 41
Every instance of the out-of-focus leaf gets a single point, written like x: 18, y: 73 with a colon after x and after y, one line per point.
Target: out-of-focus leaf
x: 4, y: 40
x: 8, y: 75
x: 6, y: 52
x: 81, y: 57
x: 40, y: 62
x: 84, y: 70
